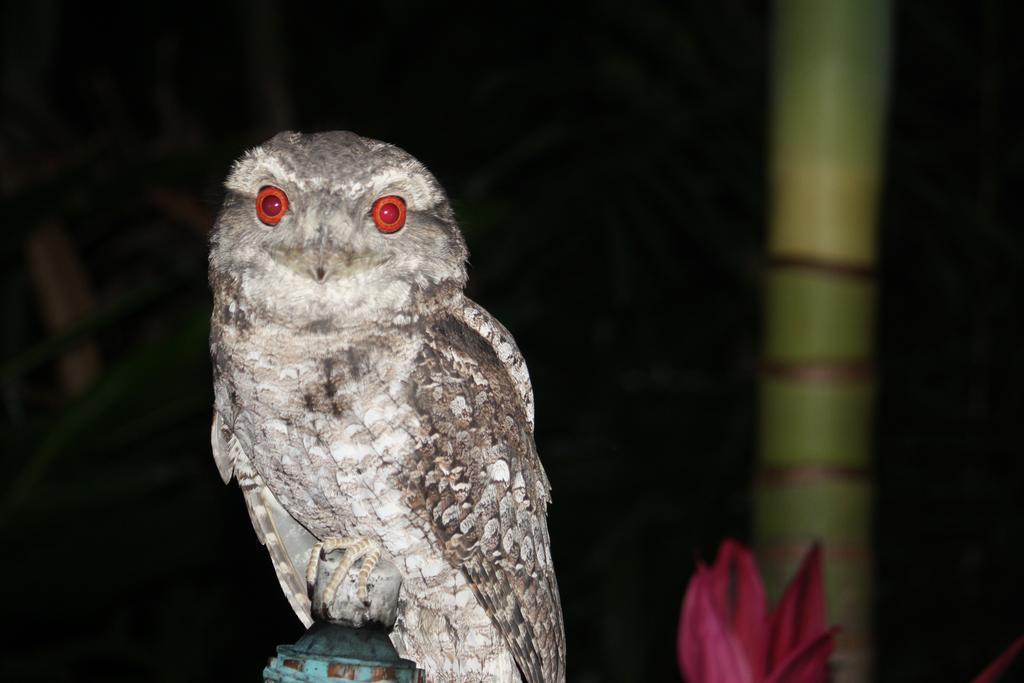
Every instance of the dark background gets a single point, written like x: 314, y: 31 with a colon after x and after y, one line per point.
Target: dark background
x: 607, y: 163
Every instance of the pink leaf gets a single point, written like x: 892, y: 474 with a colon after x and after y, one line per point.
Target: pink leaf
x: 808, y: 664
x: 998, y: 667
x: 687, y: 644
x: 739, y: 596
x: 708, y: 652
x: 800, y: 614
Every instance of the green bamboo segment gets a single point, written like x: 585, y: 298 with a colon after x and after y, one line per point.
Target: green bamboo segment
x: 836, y: 205
x: 815, y: 423
x: 831, y: 60
x: 789, y: 513
x: 829, y: 87
x: 831, y: 69
x: 818, y: 316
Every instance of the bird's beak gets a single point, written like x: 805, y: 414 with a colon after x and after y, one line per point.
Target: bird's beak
x: 325, y: 263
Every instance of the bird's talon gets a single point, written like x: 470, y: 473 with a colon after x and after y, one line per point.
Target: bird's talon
x: 356, y: 549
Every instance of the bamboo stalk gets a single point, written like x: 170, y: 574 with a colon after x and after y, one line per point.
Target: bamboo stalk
x: 830, y: 80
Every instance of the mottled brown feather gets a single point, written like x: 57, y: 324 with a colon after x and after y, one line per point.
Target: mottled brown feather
x: 480, y: 486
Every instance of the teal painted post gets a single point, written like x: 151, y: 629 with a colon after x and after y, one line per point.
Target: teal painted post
x: 329, y: 652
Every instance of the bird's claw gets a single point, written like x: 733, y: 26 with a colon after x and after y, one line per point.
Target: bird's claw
x: 355, y: 549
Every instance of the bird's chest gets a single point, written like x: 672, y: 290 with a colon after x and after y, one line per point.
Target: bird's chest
x: 328, y: 423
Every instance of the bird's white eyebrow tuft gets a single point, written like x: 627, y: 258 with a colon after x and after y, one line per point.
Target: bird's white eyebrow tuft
x: 389, y: 176
x: 256, y: 167
x: 391, y: 179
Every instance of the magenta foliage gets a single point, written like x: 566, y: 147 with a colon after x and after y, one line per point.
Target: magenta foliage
x: 998, y: 667
x: 727, y: 634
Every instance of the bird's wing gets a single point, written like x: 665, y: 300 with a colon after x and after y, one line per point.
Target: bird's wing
x: 223, y: 452
x: 504, y: 345
x: 287, y: 541
x: 478, y: 483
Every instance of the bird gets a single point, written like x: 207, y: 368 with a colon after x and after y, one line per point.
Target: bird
x: 364, y: 403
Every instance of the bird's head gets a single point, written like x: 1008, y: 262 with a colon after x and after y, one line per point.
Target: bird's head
x: 330, y: 227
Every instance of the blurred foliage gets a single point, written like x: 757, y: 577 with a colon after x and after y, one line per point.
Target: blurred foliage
x: 607, y: 164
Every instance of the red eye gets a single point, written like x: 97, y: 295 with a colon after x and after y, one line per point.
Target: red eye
x: 389, y: 213
x: 271, y: 204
